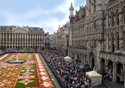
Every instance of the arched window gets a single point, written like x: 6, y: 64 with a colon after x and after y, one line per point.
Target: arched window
x: 94, y: 5
x: 108, y: 41
x: 85, y: 58
x: 112, y: 18
x: 89, y: 8
x: 117, y: 41
x: 124, y: 40
x: 124, y: 15
x: 112, y: 43
x: 117, y: 17
x: 94, y: 23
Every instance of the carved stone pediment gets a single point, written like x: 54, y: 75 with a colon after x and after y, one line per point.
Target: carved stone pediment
x: 18, y: 30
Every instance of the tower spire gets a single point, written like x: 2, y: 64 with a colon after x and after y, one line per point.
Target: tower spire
x: 71, y: 7
x: 71, y: 11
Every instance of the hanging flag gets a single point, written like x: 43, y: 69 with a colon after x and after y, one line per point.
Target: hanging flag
x: 81, y: 14
x: 67, y: 44
x: 91, y: 2
x: 76, y: 18
x: 86, y: 8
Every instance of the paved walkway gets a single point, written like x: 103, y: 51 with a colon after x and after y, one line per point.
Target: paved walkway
x: 101, y: 86
x: 110, y: 84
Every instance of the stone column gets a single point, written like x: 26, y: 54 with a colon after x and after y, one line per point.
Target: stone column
x: 106, y: 65
x: 124, y: 79
x: 124, y: 74
x: 114, y: 72
x: 30, y: 40
x: 9, y: 40
x: 6, y: 40
x: 37, y: 40
x: 22, y: 40
x: 3, y: 40
x: 25, y: 40
x: 0, y: 39
x: 17, y: 40
x: 12, y: 40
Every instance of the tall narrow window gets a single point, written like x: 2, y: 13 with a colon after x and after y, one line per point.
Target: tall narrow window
x: 107, y: 41
x: 117, y: 41
x: 89, y: 8
x: 94, y: 5
x: 117, y: 17
x: 112, y: 16
x: 124, y: 14
x: 94, y: 24
x: 124, y: 40
x: 112, y: 43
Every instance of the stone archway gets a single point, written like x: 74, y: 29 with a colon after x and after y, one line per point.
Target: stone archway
x: 110, y: 66
x: 119, y: 72
x: 102, y: 64
x: 92, y: 60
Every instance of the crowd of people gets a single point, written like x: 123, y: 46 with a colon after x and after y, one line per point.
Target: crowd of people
x: 69, y: 72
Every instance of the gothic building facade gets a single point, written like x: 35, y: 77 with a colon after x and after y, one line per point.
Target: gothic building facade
x: 98, y: 37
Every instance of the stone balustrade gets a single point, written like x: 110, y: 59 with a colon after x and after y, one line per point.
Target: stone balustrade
x: 112, y: 56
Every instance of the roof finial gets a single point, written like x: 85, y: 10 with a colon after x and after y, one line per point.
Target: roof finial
x: 71, y: 5
x: 71, y: 8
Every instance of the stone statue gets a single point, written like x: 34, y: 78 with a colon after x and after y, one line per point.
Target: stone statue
x: 114, y: 20
x: 109, y: 22
x: 120, y: 18
x: 92, y: 25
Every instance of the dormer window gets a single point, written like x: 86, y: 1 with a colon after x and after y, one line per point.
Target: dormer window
x: 38, y: 30
x: 31, y: 29
x: 7, y: 29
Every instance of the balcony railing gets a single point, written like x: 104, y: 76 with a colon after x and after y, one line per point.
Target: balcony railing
x: 83, y: 47
x: 113, y: 53
x: 113, y: 56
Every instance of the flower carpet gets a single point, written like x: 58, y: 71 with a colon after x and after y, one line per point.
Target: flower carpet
x: 30, y: 74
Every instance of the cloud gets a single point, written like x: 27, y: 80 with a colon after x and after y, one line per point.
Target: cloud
x: 48, y: 19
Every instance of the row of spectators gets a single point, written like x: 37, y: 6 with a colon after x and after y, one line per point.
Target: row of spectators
x: 68, y: 72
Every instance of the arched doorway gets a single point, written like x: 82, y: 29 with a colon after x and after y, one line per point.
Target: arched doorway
x: 92, y: 60
x: 110, y: 67
x: 102, y: 64
x: 124, y: 41
x: 119, y: 73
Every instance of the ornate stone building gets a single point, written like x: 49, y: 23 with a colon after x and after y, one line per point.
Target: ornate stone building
x: 65, y: 38
x: 114, y: 40
x: 59, y: 39
x: 14, y: 37
x: 98, y: 38
x: 47, y: 40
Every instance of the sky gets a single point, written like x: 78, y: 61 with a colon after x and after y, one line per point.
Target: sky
x: 46, y: 14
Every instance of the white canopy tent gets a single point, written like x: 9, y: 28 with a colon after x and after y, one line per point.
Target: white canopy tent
x: 68, y: 59
x: 96, y: 78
